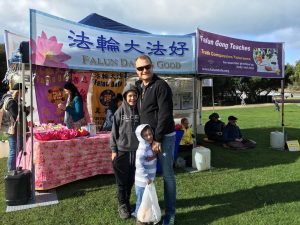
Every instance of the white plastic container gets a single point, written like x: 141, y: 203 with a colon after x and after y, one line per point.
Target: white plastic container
x: 277, y: 140
x: 201, y: 158
x: 92, y: 129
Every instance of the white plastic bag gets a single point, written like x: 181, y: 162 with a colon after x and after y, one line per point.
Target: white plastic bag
x: 149, y: 210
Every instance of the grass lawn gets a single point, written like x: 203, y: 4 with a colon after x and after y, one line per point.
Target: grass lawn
x: 3, y: 136
x: 259, y: 186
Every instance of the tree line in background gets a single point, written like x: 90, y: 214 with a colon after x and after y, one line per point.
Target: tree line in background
x: 228, y: 89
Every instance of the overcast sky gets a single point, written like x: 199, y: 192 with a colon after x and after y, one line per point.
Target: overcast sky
x: 257, y: 20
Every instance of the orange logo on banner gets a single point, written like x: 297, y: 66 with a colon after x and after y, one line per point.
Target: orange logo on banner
x: 56, y: 95
x: 105, y: 86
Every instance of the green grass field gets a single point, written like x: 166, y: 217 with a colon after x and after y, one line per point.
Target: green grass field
x: 259, y: 186
x: 3, y: 136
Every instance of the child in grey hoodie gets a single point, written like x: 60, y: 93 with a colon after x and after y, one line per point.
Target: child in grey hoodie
x: 145, y: 163
x: 124, y: 143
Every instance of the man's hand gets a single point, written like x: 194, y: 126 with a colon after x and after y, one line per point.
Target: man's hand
x: 149, y: 181
x: 156, y: 146
x: 113, y: 156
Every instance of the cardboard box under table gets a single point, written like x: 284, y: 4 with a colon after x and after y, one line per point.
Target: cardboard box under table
x: 60, y: 162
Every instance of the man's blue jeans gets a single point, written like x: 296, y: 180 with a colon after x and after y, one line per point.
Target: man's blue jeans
x: 166, y: 160
x: 139, y: 191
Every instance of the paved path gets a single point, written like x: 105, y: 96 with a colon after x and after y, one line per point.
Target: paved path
x: 240, y: 106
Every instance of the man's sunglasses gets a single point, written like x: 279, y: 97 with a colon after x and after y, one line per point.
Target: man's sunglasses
x: 147, y: 67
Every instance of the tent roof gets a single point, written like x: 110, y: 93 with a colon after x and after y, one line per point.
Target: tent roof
x: 96, y: 20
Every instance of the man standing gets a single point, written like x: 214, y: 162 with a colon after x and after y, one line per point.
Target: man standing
x: 156, y: 109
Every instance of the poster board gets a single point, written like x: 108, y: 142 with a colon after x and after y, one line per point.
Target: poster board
x: 293, y: 145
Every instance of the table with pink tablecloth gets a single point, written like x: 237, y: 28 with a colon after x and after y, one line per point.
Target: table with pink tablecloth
x: 60, y: 162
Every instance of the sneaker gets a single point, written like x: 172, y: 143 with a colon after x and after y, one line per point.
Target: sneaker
x: 225, y: 146
x: 128, y: 208
x: 123, y: 211
x: 139, y: 222
x: 169, y: 220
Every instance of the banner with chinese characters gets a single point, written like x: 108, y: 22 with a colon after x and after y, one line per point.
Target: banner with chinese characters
x: 57, y: 42
x: 49, y: 83
x: 220, y: 55
x: 104, y: 86
x: 81, y: 80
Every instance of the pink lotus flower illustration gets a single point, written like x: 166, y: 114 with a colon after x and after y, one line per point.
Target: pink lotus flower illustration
x: 47, y: 52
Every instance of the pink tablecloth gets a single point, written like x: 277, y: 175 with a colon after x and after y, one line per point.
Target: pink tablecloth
x: 59, y: 162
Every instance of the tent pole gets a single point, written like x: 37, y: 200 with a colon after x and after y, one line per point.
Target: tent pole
x: 24, y: 125
x: 194, y: 105
x: 282, y: 109
x: 33, y: 197
x: 199, y: 96
x: 212, y: 94
x: 31, y: 135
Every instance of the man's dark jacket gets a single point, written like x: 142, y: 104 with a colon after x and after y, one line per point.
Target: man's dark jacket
x: 155, y: 106
x: 231, y: 132
x: 212, y: 127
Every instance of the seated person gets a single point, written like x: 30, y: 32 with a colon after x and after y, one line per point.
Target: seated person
x: 233, y: 137
x: 186, y: 142
x: 214, y: 128
x: 112, y: 108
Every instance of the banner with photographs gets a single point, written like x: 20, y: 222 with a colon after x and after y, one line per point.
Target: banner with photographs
x: 220, y: 55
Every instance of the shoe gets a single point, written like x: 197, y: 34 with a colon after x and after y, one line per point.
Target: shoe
x: 128, y: 208
x: 123, y: 211
x: 225, y: 146
x: 139, y: 222
x: 169, y: 220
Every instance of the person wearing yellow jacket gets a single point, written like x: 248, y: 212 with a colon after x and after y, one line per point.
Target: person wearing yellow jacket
x: 186, y: 142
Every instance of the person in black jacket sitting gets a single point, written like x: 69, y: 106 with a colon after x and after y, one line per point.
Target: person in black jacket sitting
x: 233, y: 137
x: 214, y: 128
